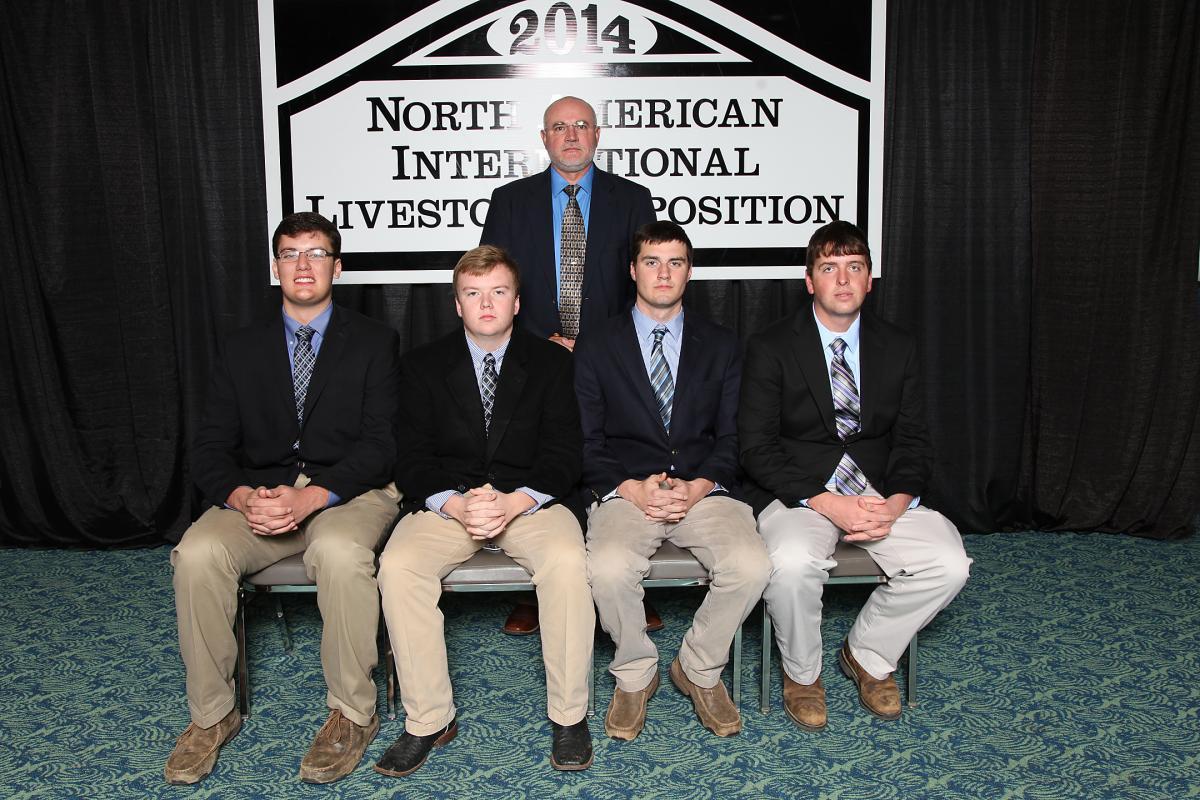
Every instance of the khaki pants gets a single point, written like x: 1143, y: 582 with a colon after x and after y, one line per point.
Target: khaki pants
x: 338, y: 545
x: 426, y: 547
x: 720, y: 533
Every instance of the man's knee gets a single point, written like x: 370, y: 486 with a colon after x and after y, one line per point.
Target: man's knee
x: 609, y: 567
x: 748, y: 567
x: 796, y: 564
x: 202, y: 552
x: 332, y: 558
x: 564, y: 560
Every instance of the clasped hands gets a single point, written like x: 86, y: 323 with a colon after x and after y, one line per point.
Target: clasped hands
x: 664, y: 499
x: 271, y: 512
x: 864, y: 518
x: 486, y: 512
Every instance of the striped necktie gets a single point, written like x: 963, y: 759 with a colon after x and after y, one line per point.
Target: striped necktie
x: 488, y: 387
x: 847, y: 477
x: 303, y: 360
x: 572, y: 250
x: 660, y: 378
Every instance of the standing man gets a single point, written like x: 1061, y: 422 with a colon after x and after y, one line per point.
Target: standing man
x: 295, y: 454
x: 489, y: 448
x: 658, y: 397
x: 834, y: 444
x: 569, y: 228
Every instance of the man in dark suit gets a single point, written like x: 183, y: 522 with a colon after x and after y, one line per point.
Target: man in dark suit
x: 658, y: 398
x: 489, y: 450
x: 295, y: 454
x: 834, y: 444
x: 533, y: 219
x: 569, y: 228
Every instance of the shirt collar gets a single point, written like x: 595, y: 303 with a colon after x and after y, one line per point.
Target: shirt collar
x: 557, y: 182
x: 850, y: 336
x: 477, y: 352
x: 319, y: 324
x: 644, y: 326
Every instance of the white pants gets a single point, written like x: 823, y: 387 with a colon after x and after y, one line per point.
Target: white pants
x: 923, y: 558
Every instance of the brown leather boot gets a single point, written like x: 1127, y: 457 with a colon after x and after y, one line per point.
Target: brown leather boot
x: 713, y: 706
x: 195, y: 752
x: 879, y: 696
x: 337, y: 748
x: 804, y: 703
x: 627, y: 711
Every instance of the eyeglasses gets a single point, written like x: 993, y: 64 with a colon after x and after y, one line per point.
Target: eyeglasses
x: 580, y: 126
x: 313, y: 254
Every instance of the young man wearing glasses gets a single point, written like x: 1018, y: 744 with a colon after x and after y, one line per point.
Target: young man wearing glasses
x: 295, y: 453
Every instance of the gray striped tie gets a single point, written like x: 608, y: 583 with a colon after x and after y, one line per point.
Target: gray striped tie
x: 847, y: 477
x: 489, y: 390
x: 572, y: 251
x: 303, y: 359
x: 660, y: 378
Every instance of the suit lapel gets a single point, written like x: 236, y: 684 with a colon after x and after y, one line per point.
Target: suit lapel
x: 628, y: 354
x: 871, y: 363
x: 336, y: 335
x: 812, y: 363
x: 690, y: 351
x: 280, y: 368
x: 460, y: 378
x: 599, y: 225
x: 540, y: 209
x: 508, y: 392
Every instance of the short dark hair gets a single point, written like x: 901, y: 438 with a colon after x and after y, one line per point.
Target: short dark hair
x: 482, y: 260
x: 658, y: 233
x: 306, y: 222
x: 838, y: 238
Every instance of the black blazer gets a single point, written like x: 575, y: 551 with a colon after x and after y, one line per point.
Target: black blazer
x: 623, y: 435
x: 534, y: 441
x: 789, y: 441
x: 347, y: 444
x: 520, y: 219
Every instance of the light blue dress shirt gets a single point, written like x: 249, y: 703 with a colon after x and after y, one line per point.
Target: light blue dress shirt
x: 559, y: 200
x: 436, y: 501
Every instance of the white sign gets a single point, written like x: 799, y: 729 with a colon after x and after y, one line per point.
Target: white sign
x: 748, y: 142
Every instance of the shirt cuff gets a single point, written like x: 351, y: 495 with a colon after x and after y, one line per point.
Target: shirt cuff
x: 435, y: 502
x: 334, y: 499
x: 539, y: 499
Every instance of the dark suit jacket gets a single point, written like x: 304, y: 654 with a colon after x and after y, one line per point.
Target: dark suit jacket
x: 347, y: 444
x: 623, y: 435
x: 521, y: 220
x: 789, y: 441
x: 534, y: 440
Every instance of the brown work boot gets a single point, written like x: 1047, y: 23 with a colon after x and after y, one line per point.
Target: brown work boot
x: 713, y: 706
x: 627, y: 711
x: 880, y: 697
x: 195, y: 752
x: 804, y: 703
x: 337, y: 748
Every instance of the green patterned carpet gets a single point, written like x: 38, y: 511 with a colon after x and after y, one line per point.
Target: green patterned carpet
x: 1067, y: 668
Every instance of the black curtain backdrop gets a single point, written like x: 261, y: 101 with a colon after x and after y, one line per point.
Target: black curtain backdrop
x: 1041, y: 231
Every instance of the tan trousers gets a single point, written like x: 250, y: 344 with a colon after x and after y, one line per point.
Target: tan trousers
x: 720, y: 533
x: 338, y: 545
x: 425, y: 547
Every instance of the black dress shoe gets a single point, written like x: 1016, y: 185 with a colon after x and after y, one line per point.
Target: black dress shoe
x: 408, y: 753
x: 572, y: 746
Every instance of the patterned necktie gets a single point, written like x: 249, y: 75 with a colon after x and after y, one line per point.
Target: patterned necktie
x: 847, y: 477
x: 660, y: 378
x: 489, y: 390
x: 303, y: 359
x: 571, y: 256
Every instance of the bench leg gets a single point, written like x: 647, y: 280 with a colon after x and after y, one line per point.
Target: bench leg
x: 243, y: 671
x: 768, y: 641
x: 737, y: 668
x: 912, y: 672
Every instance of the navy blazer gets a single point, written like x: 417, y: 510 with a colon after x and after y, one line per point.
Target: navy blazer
x: 520, y: 219
x: 623, y: 435
x: 347, y: 443
x: 789, y: 440
x: 534, y: 439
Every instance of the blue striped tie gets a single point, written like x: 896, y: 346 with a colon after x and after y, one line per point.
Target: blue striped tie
x: 660, y: 378
x: 303, y: 359
x: 847, y: 477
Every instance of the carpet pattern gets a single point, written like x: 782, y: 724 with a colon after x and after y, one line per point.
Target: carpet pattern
x: 1065, y: 669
